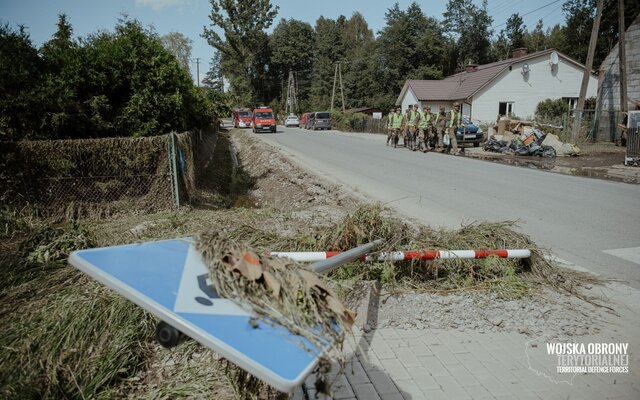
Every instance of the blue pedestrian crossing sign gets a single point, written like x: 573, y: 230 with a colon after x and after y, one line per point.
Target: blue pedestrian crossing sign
x: 169, y: 279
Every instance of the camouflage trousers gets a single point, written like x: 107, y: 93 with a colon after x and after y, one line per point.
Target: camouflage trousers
x: 424, y: 137
x: 453, y: 142
x: 410, y: 137
x: 393, y: 134
x: 439, y: 133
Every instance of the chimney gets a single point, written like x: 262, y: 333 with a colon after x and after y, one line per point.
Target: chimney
x: 471, y: 68
x: 519, y: 52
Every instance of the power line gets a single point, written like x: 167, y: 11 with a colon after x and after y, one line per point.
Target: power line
x: 530, y: 12
x: 506, y: 7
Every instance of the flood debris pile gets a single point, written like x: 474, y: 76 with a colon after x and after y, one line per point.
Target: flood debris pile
x: 523, y: 139
x: 279, y: 292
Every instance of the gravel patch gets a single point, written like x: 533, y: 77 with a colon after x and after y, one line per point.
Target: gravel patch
x: 544, y: 312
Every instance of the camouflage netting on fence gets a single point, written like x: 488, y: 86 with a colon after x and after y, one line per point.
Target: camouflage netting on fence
x: 196, y: 161
x: 104, y: 176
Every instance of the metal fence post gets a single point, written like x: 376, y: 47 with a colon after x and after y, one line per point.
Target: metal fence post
x: 173, y: 169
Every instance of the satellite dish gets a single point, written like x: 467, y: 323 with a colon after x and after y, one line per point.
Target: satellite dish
x: 525, y: 68
x: 553, y: 60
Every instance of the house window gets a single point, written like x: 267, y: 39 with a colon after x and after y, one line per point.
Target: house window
x: 572, y: 101
x: 505, y: 108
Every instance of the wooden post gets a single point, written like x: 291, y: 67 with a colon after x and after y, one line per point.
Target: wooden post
x: 587, y: 71
x: 341, y: 88
x: 333, y: 93
x: 622, y: 54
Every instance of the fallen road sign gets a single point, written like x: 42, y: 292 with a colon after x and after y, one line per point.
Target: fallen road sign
x: 169, y: 279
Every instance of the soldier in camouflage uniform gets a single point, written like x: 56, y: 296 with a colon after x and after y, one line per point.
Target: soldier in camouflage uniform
x: 390, y: 117
x: 454, y: 120
x: 396, y: 126
x: 440, y: 123
x: 412, y: 120
x: 425, y: 129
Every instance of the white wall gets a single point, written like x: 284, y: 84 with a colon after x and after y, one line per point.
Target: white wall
x: 435, y: 106
x: 409, y: 99
x: 527, y: 92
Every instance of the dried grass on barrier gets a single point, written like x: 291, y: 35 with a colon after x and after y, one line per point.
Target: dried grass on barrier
x: 279, y: 292
x: 508, y: 278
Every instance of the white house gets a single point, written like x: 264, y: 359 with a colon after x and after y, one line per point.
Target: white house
x: 513, y: 86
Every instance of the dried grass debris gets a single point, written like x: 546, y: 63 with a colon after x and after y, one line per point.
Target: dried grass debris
x: 281, y: 292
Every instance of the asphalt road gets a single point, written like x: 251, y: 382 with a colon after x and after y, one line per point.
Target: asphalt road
x: 577, y: 218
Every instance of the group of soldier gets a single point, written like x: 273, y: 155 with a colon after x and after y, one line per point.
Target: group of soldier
x: 424, y: 131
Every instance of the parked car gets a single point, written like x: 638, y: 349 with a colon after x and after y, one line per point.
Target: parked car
x: 264, y: 120
x: 292, y: 120
x: 303, y: 119
x: 309, y: 123
x: 472, y: 133
x: 321, y: 120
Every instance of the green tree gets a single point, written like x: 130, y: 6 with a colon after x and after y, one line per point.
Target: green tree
x: 555, y: 38
x: 328, y: 49
x: 411, y: 46
x: 536, y: 39
x: 359, y: 72
x: 180, y: 46
x: 213, y: 78
x: 64, y: 84
x: 146, y: 91
x: 292, y: 44
x: 242, y: 23
x: 20, y: 77
x: 580, y: 15
x: 515, y: 31
x: 500, y: 47
x: 470, y: 26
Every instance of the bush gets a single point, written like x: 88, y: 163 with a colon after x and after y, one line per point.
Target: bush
x: 122, y: 83
x: 344, y: 121
x: 552, y: 109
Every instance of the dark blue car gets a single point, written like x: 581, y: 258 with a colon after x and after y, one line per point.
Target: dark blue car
x: 472, y: 133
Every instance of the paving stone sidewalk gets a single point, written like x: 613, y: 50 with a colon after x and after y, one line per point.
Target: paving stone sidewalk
x: 442, y: 364
x: 417, y: 364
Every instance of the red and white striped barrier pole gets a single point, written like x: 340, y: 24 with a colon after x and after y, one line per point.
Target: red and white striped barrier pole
x: 314, y: 256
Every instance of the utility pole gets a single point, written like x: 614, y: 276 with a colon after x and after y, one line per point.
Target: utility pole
x: 622, y: 54
x: 292, y: 99
x: 587, y: 71
x: 198, y: 70
x: 341, y: 86
x: 333, y: 93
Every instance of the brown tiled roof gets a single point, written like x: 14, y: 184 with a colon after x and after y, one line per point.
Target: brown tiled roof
x: 432, y: 89
x: 464, y: 84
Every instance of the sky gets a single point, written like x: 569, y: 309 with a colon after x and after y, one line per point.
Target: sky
x: 190, y: 16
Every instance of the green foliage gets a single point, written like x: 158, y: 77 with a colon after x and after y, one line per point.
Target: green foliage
x: 580, y: 15
x: 515, y: 31
x: 552, y: 109
x: 470, y: 25
x: 180, y: 46
x: 21, y: 70
x: 121, y: 83
x: 328, y: 48
x: 344, y: 121
x: 411, y: 44
x: 242, y: 22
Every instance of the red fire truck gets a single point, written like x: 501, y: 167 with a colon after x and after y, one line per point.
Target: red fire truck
x: 242, y: 118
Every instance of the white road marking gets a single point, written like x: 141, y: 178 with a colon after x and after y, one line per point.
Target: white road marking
x: 630, y: 254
